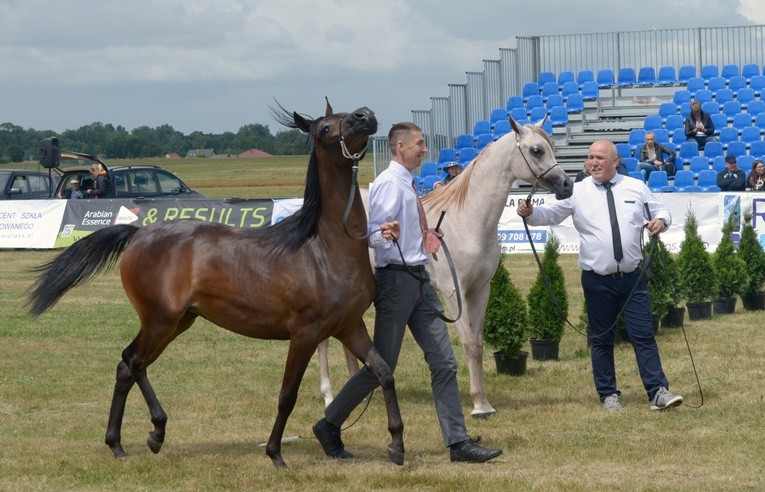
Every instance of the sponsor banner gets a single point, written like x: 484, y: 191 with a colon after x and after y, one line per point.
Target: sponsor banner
x: 29, y: 223
x: 711, y: 210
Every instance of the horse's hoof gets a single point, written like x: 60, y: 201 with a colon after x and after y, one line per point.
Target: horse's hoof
x: 154, y: 444
x: 117, y: 451
x: 483, y: 415
x: 396, y: 456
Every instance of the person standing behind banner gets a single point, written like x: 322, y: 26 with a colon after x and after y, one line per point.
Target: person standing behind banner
x: 610, y: 211
x: 402, y: 282
x: 102, y: 183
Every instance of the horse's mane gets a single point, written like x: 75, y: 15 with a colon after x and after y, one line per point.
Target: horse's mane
x: 456, y: 192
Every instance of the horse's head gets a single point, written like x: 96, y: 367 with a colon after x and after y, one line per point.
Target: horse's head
x: 344, y: 134
x: 538, y: 165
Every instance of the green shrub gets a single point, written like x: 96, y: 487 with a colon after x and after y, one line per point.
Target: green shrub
x: 545, y: 320
x: 663, y: 280
x: 697, y: 275
x: 506, y: 318
x: 730, y: 270
x: 751, y: 252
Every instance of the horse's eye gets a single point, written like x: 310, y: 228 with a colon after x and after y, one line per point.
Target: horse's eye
x: 325, y: 129
x: 537, y: 151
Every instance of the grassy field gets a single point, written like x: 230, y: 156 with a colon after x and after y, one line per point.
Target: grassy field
x: 220, y: 392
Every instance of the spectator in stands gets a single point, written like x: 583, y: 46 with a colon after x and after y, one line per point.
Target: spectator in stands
x: 102, y: 183
x: 452, y: 171
x: 610, y: 213
x: 731, y: 178
x: 756, y: 179
x: 651, y: 157
x: 74, y: 192
x: 584, y: 172
x: 698, y: 125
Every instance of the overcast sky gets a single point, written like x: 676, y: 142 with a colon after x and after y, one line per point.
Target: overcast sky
x: 216, y: 65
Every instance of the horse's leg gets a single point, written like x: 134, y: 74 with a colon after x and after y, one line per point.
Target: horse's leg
x: 298, y: 357
x: 325, y: 384
x: 124, y: 382
x: 470, y: 330
x: 359, y: 343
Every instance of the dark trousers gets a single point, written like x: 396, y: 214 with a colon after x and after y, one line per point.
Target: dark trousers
x: 605, y: 295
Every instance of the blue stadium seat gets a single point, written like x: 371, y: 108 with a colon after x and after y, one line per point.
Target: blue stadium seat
x: 566, y: 76
x: 722, y: 96
x: 698, y: 163
x: 673, y: 122
x: 759, y: 121
x: 708, y: 180
x: 667, y: 109
x: 695, y: 84
x: 554, y: 100
x: 730, y: 109
x: 757, y: 149
x: 497, y: 114
x: 703, y: 95
x: 737, y: 148
x: 737, y: 83
x: 681, y: 96
x: 750, y: 70
x: 709, y: 71
x: 688, y: 150
x: 429, y: 168
x: 463, y: 140
x: 661, y: 135
x: 749, y: 135
x: 630, y: 163
x: 501, y: 128
x: 534, y: 102
x: 744, y: 97
x: 715, y: 84
x: 428, y: 182
x: 685, y: 109
x: 466, y: 155
x: 720, y: 121
x: 646, y: 76
x: 728, y: 71
x: 713, y: 149
x: 559, y: 116
x: 623, y: 149
x: 637, y: 175
x: 745, y: 162
x: 652, y: 122
x: 569, y: 88
x: 530, y: 89
x: 757, y: 84
x: 678, y: 136
x: 537, y: 114
x: 685, y: 73
x: 447, y: 154
x: 590, y: 91
x: 481, y: 127
x: 519, y: 114
x: 584, y: 76
x: 575, y: 103
x: 483, y: 140
x: 659, y: 182
x: 710, y: 107
x: 514, y: 102
x: 605, y: 78
x: 545, y: 77
x: 547, y: 127
x: 718, y: 163
x: 728, y: 135
x: 684, y: 182
x: 549, y: 89
x: 626, y: 77
x: 666, y: 75
x: 636, y: 138
x: 741, y: 121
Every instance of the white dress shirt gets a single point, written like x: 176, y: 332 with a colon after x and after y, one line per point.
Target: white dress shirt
x: 589, y: 210
x: 392, y: 197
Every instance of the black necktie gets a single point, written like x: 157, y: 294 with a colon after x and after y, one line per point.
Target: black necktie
x: 615, y: 235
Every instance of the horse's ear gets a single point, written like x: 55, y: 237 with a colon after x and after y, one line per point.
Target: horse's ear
x: 514, y: 124
x: 540, y: 122
x: 301, y: 123
x: 329, y: 111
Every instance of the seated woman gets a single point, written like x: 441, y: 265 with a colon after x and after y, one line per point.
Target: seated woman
x: 652, y: 159
x: 756, y: 179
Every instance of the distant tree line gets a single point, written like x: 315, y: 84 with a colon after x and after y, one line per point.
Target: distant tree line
x: 115, y: 142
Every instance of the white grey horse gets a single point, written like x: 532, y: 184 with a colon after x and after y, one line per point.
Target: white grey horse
x: 474, y: 202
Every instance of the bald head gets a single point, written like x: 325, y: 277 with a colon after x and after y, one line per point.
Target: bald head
x: 603, y: 160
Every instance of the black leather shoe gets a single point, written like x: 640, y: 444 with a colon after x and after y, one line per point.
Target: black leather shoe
x: 470, y: 452
x: 329, y: 438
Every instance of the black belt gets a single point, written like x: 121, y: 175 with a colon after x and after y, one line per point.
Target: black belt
x: 614, y: 275
x: 402, y: 268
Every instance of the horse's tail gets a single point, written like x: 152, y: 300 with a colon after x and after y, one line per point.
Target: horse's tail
x: 77, y: 264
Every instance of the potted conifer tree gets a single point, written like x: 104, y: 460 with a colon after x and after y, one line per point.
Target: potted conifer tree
x: 504, y: 327
x: 730, y: 271
x: 664, y: 285
x: 697, y: 275
x: 751, y: 252
x: 546, y: 319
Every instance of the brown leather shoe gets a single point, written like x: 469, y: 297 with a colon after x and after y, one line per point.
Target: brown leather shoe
x: 469, y: 452
x: 329, y: 438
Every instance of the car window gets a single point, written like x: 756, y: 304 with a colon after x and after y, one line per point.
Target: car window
x: 38, y: 184
x: 20, y: 182
x: 167, y: 182
x: 143, y: 182
x: 120, y: 184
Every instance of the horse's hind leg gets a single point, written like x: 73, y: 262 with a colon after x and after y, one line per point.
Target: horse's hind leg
x: 124, y: 382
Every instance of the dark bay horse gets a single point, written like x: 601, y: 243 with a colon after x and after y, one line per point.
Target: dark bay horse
x: 301, y: 280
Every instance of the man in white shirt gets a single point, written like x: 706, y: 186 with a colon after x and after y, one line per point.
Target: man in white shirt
x: 609, y: 256
x: 399, y: 273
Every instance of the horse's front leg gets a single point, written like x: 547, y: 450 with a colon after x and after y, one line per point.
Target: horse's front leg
x: 298, y: 357
x: 359, y: 343
x: 470, y: 330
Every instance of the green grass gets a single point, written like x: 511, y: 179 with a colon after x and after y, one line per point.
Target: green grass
x: 220, y: 392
